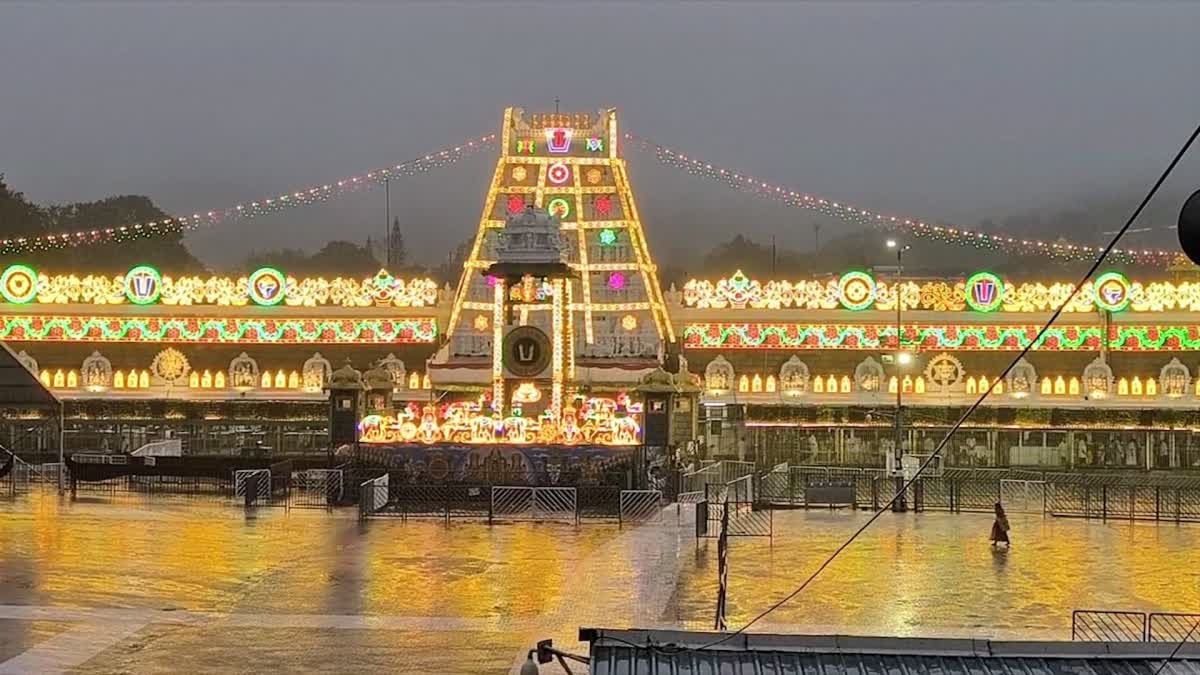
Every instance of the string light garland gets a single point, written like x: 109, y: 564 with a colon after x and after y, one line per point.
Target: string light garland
x: 1059, y: 250
x: 20, y: 284
x: 980, y: 292
x: 255, y: 209
x: 38, y: 328
x: 960, y: 337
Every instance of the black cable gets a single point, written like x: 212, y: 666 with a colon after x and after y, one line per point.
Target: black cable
x: 1162, y: 666
x: 963, y: 418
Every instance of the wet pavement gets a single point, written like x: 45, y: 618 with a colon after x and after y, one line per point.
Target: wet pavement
x: 155, y: 588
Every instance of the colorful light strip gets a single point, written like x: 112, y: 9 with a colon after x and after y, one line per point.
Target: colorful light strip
x: 304, y: 197
x: 739, y: 291
x: 381, y: 290
x: 947, y: 235
x: 215, y: 330
x: 965, y: 337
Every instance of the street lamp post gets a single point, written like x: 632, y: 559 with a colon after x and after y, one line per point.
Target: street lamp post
x: 903, y: 358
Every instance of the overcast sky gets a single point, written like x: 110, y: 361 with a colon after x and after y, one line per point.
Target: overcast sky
x: 952, y: 112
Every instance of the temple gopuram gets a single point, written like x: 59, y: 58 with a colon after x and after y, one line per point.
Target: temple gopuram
x: 559, y: 337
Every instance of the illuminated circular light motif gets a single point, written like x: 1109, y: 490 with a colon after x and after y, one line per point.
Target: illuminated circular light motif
x: 267, y: 286
x: 608, y: 237
x: 558, y: 174
x: 519, y: 173
x: 594, y: 176
x: 629, y: 322
x: 481, y: 322
x: 516, y: 204
x: 143, y: 285
x: 616, y: 281
x: 985, y: 292
x: 559, y: 208
x: 1112, y: 291
x: 18, y: 284
x: 856, y: 290
x: 603, y: 205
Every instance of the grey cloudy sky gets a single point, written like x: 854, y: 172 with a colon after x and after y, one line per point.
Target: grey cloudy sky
x: 945, y: 111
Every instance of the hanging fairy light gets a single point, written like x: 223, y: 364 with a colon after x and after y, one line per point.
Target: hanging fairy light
x: 1060, y: 250
x: 297, y: 198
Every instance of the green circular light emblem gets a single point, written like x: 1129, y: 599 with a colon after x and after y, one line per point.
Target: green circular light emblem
x: 266, y: 286
x: 984, y: 291
x: 143, y: 285
x: 18, y: 284
x: 856, y: 290
x: 1111, y: 291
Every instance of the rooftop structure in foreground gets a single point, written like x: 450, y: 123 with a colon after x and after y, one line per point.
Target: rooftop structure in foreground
x: 613, y: 652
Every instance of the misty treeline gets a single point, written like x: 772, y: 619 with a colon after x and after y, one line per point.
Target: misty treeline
x: 758, y: 259
x: 21, y: 218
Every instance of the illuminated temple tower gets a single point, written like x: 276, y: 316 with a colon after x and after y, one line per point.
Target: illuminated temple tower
x: 614, y: 326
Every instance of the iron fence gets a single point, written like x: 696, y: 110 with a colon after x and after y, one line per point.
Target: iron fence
x: 719, y: 472
x: 1167, y: 627
x: 639, y: 506
x: 384, y: 497
x: 1131, y: 496
x: 316, y: 488
x: 1093, y: 625
x: 599, y: 503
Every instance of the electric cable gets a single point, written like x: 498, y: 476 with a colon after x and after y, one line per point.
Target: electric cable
x: 949, y: 434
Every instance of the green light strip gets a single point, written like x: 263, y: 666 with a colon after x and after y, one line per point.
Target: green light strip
x: 207, y: 330
x: 968, y: 338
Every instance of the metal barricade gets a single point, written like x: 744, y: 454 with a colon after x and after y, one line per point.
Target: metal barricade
x: 373, y: 496
x: 555, y: 503
x: 639, y: 506
x: 253, y: 486
x: 1167, y: 627
x: 534, y: 503
x: 1094, y: 625
x: 316, y: 488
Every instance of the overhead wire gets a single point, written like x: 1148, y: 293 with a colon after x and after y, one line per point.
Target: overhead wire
x: 1092, y: 269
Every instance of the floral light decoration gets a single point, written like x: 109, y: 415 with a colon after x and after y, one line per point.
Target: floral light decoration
x: 739, y: 291
x: 963, y: 337
x: 144, y: 287
x: 582, y: 421
x: 41, y: 328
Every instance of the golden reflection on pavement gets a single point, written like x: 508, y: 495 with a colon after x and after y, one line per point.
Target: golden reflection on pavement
x: 911, y: 574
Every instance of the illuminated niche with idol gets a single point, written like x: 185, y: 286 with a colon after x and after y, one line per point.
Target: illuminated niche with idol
x: 532, y: 395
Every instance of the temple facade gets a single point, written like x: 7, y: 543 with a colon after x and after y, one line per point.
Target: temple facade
x: 559, y: 334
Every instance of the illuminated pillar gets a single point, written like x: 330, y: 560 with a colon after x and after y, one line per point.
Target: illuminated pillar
x: 569, y: 334
x: 557, y: 325
x: 499, y: 297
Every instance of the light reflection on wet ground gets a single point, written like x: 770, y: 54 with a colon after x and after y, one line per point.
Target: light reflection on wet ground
x: 477, y: 595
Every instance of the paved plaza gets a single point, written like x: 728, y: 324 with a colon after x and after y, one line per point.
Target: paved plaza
x: 154, y: 588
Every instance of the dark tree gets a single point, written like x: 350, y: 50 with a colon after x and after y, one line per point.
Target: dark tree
x: 19, y: 217
x: 397, y: 254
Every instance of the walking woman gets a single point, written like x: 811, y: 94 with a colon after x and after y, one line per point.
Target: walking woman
x: 1000, y: 527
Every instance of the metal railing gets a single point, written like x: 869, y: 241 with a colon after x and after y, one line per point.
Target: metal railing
x: 1168, y: 627
x: 1127, y: 496
x: 384, y: 498
x: 720, y: 472
x: 1096, y: 625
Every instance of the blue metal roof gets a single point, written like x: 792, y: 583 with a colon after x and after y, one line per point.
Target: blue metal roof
x: 758, y: 654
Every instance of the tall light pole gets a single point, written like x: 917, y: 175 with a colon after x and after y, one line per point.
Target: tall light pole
x: 903, y: 358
